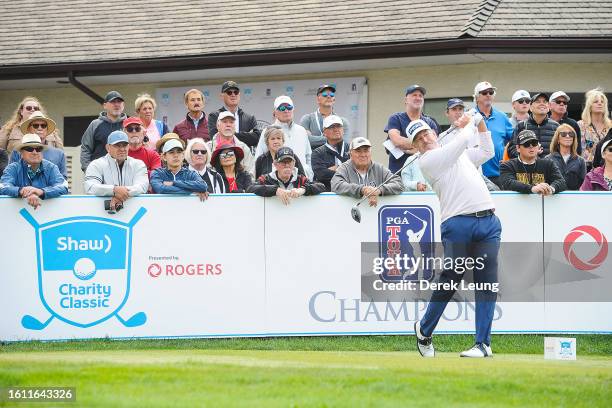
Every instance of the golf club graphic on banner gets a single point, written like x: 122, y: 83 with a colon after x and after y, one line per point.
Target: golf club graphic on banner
x: 406, y: 231
x: 84, y: 270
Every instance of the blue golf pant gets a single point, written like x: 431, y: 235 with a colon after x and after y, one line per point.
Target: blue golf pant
x: 471, y: 237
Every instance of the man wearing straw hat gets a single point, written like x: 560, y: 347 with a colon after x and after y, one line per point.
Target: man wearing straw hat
x: 32, y: 177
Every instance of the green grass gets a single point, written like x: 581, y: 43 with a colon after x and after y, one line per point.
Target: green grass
x: 357, y: 371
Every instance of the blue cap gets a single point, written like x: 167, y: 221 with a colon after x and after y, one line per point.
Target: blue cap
x: 413, y: 88
x: 117, y: 136
x: 452, y: 102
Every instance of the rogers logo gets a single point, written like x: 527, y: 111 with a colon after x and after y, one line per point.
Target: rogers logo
x: 154, y: 270
x: 597, y: 236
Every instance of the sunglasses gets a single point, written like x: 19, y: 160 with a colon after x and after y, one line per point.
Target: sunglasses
x: 226, y: 155
x: 39, y: 125
x: 31, y: 149
x: 487, y: 93
x: 531, y: 143
x: 523, y: 101
x: 31, y: 108
x: 232, y: 92
x: 567, y: 134
x: 560, y: 102
x: 283, y: 108
x: 197, y: 151
x: 132, y: 129
x: 325, y: 94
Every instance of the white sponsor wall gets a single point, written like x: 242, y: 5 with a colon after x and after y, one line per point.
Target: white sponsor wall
x: 240, y: 265
x: 257, y: 98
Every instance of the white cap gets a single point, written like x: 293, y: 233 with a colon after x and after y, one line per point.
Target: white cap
x: 282, y: 99
x: 357, y: 142
x: 557, y: 94
x: 226, y: 114
x: 332, y: 120
x: 415, y: 127
x: 481, y: 86
x: 172, y: 144
x: 520, y: 94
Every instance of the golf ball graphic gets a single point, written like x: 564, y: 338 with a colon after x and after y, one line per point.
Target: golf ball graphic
x: 84, y: 269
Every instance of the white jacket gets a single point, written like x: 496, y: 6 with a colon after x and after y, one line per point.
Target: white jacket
x: 103, y: 175
x: 297, y: 139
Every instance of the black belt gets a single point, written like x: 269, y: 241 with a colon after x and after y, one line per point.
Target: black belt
x: 480, y: 214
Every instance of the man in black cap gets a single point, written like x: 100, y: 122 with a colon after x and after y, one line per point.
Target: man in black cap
x: 400, y: 149
x: 539, y: 123
x: 246, y: 125
x: 284, y: 181
x: 313, y: 122
x: 93, y: 142
x: 529, y: 174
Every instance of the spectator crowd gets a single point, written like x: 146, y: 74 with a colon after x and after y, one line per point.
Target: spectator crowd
x: 539, y: 149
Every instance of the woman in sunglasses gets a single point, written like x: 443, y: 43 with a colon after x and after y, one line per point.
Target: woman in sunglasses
x: 227, y: 160
x: 43, y: 126
x: 563, y: 151
x: 197, y: 155
x: 274, y: 138
x: 11, y: 134
x: 600, y: 178
x: 595, y: 123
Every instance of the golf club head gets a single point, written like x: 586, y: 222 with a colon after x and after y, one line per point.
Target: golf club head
x: 355, y: 213
x: 32, y: 323
x: 137, y: 320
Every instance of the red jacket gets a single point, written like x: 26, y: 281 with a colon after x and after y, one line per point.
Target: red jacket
x: 187, y: 130
x: 149, y: 157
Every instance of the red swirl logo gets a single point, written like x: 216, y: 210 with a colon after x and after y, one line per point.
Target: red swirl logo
x: 154, y: 270
x: 598, y: 237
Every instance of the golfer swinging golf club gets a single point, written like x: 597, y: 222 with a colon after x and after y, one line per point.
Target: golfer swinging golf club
x: 470, y: 229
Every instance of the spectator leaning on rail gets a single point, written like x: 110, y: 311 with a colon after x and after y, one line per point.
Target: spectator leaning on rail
x: 594, y: 123
x: 414, y: 101
x: 94, y: 140
x: 360, y: 176
x: 245, y: 127
x: 285, y: 182
x: 313, y: 122
x: 539, y: 123
x: 154, y: 129
x: 175, y: 178
x: 529, y: 174
x: 226, y: 135
x: 563, y: 151
x: 327, y: 158
x: 42, y: 126
x: 497, y: 123
x: 600, y: 178
x: 274, y: 138
x: 116, y: 174
x: 520, y: 105
x: 32, y: 177
x: 134, y: 128
x: 558, y: 112
x: 198, y: 155
x: 11, y: 134
x: 295, y: 135
x: 195, y: 123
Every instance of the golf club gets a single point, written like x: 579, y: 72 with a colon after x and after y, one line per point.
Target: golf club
x: 355, y: 213
x: 32, y: 323
x: 137, y: 320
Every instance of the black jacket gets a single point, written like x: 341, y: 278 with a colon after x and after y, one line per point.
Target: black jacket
x: 243, y: 181
x: 266, y: 186
x: 516, y: 176
x: 247, y: 124
x: 598, y: 161
x: 323, y: 158
x: 573, y: 171
x: 544, y: 131
x: 263, y: 165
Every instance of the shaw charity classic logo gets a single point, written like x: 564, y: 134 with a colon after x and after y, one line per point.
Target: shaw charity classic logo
x: 574, y: 259
x: 84, y: 268
x: 406, y: 231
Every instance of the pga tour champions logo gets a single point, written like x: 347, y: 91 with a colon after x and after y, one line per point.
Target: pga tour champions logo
x: 582, y: 234
x: 406, y: 230
x: 84, y: 269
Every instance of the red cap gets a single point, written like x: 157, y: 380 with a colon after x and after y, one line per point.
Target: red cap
x: 131, y: 120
